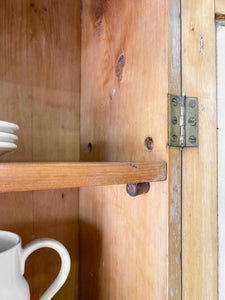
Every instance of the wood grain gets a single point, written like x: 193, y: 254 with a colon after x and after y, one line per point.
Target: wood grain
x: 220, y: 65
x: 45, y: 176
x: 124, y: 85
x: 174, y: 161
x: 40, y: 91
x: 55, y: 214
x: 199, y: 165
x: 220, y: 7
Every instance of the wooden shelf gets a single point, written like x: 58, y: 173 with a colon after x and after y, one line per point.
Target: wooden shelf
x: 45, y: 176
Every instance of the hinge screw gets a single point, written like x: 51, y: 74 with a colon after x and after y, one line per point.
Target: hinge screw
x: 174, y: 120
x: 174, y: 102
x: 174, y: 138
x: 192, y: 139
x: 192, y: 121
x: 192, y: 104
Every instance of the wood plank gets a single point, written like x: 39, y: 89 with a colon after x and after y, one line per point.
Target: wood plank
x: 220, y: 64
x: 41, y: 103
x: 124, y: 86
x: 40, y: 41
x: 45, y: 176
x: 199, y: 165
x: 55, y: 213
x: 220, y: 7
x: 174, y: 161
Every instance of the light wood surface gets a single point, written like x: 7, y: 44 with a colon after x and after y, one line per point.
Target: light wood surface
x: 55, y: 214
x: 124, y: 85
x: 220, y: 7
x: 40, y: 86
x: 45, y: 176
x: 220, y: 64
x: 174, y: 161
x: 199, y: 165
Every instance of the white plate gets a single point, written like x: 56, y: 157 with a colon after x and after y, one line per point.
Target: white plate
x: 8, y: 137
x: 7, y: 146
x: 8, y: 127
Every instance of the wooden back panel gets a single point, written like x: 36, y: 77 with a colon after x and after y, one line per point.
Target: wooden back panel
x: 124, y: 85
x: 40, y: 91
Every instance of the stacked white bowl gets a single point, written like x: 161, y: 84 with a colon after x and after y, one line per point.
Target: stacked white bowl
x: 7, y: 137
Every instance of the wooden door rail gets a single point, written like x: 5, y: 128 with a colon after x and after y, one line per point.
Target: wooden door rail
x: 45, y: 176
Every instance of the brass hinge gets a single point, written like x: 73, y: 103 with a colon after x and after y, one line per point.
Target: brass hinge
x: 183, y: 121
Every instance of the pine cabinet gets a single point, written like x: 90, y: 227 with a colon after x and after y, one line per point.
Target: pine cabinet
x: 87, y: 81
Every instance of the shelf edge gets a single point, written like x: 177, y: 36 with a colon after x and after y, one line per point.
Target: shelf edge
x: 45, y: 176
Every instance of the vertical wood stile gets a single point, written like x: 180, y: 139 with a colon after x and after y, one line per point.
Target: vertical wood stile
x: 199, y: 165
x: 220, y: 64
x: 174, y: 160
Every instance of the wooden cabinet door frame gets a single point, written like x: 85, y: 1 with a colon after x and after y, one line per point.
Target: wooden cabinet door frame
x: 193, y: 73
x: 199, y: 175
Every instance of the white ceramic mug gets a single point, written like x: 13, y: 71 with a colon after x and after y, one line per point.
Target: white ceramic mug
x: 12, y: 264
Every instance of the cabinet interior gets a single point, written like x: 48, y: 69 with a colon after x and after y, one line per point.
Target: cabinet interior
x: 88, y: 83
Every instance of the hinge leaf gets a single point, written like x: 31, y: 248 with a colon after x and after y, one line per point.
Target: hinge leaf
x: 183, y: 121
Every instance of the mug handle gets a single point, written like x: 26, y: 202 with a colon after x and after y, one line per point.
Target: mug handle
x: 65, y: 263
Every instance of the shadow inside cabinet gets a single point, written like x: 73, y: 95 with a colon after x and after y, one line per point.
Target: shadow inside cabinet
x: 90, y: 251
